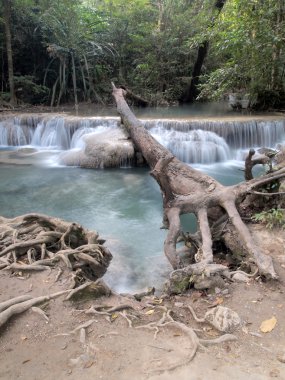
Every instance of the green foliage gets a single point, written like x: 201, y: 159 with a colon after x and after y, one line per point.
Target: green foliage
x: 248, y: 44
x: 149, y: 46
x: 271, y: 218
x: 30, y: 92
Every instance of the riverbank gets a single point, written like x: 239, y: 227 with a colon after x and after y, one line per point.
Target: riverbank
x: 52, y: 345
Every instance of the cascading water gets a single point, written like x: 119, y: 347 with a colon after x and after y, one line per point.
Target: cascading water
x: 192, y: 141
x: 195, y: 146
x: 240, y: 133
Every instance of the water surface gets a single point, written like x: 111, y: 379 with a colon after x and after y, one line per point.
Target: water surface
x: 123, y: 205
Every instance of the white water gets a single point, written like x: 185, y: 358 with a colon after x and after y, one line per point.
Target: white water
x: 193, y: 141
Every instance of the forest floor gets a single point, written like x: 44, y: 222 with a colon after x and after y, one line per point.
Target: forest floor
x: 34, y: 348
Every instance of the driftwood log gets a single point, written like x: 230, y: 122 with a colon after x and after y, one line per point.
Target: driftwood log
x: 186, y: 190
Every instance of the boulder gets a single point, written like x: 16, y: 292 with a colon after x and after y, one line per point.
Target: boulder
x: 108, y: 149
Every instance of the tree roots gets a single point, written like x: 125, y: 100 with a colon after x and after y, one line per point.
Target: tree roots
x: 36, y: 242
x: 20, y: 304
x: 188, y: 191
x: 166, y: 320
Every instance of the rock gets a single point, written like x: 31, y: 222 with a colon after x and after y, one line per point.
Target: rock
x: 239, y: 277
x: 93, y: 291
x: 281, y: 356
x: 108, y: 149
x: 274, y: 372
x: 177, y: 284
x: 212, y: 282
x: 223, y: 319
x: 217, y: 290
x: 179, y: 304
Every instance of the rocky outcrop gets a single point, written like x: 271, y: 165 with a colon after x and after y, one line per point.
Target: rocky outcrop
x: 108, y: 149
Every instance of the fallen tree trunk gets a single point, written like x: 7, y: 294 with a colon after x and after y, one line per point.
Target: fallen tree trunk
x: 186, y: 190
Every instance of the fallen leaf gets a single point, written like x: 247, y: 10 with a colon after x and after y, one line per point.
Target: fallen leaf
x: 218, y: 301
x: 114, y: 316
x: 88, y: 364
x: 268, y: 325
x: 150, y: 312
x: 213, y: 333
x: 157, y: 301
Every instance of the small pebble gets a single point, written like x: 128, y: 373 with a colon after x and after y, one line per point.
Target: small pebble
x: 274, y: 372
x: 281, y: 357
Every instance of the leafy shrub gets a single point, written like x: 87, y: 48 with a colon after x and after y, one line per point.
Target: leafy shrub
x: 30, y: 92
x: 271, y: 218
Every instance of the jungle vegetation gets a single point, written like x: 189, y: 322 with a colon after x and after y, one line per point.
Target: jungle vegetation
x: 167, y: 51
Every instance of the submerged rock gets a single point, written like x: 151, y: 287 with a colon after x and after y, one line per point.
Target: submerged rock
x: 108, y: 149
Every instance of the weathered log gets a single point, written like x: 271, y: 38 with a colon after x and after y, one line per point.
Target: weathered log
x: 136, y: 99
x: 250, y: 162
x: 186, y: 190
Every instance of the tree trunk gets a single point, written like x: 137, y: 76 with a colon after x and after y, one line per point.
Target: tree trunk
x: 74, y: 82
x: 192, y: 91
x: 186, y: 190
x: 7, y: 17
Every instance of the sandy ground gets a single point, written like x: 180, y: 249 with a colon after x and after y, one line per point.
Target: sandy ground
x: 33, y: 348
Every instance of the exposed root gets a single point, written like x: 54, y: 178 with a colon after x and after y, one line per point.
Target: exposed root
x: 21, y: 306
x: 13, y: 301
x: 40, y: 312
x: 33, y: 237
x: 125, y: 315
x: 26, y: 267
x: 110, y: 310
x: 77, y: 290
x: 196, y: 342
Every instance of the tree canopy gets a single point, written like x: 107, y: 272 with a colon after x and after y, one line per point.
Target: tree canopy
x: 70, y: 51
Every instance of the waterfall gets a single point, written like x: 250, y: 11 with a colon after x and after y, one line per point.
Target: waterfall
x: 238, y: 134
x: 13, y: 134
x: 50, y: 131
x: 203, y: 141
x: 194, y: 146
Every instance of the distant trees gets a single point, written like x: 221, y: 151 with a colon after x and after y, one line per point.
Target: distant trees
x: 164, y: 50
x: 8, y: 39
x: 248, y: 46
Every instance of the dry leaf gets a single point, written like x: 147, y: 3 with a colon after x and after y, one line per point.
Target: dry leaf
x: 218, y: 301
x: 157, y: 301
x: 268, y: 325
x: 88, y: 364
x: 150, y: 312
x: 114, y: 316
x: 213, y: 333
